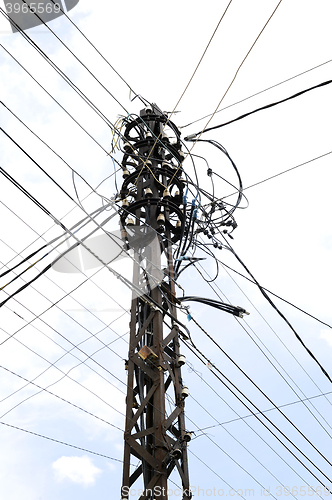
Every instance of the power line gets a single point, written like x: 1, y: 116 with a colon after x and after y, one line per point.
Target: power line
x: 225, y: 452
x: 61, y: 442
x: 119, y: 276
x: 267, y: 106
x: 94, y: 190
x: 63, y: 75
x: 59, y: 397
x: 237, y: 441
x: 232, y: 81
x: 257, y: 93
x: 273, y: 176
x: 59, y: 369
x: 272, y: 355
x: 101, y: 55
x: 199, y: 62
x: 275, y: 295
x: 212, y: 365
x: 243, y: 419
x: 55, y: 100
x: 270, y: 409
x: 268, y: 398
x: 282, y: 316
x: 238, y: 69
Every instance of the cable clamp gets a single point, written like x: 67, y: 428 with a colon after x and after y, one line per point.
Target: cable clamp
x: 191, y: 137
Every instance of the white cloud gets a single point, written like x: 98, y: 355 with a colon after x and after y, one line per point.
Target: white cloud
x: 327, y: 335
x: 79, y: 470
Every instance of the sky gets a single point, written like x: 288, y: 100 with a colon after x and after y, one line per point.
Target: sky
x: 284, y: 237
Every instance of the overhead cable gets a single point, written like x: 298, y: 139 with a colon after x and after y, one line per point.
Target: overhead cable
x: 101, y: 55
x: 257, y: 93
x: 269, y: 399
x: 275, y: 295
x: 236, y: 73
x: 271, y: 354
x: 59, y: 397
x: 61, y: 442
x: 231, y: 407
x: 213, y: 366
x: 66, y: 78
x: 55, y: 100
x: 267, y: 106
x: 282, y: 316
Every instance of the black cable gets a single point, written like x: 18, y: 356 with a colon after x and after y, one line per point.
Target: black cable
x: 55, y: 100
x: 77, y: 58
x: 268, y: 398
x: 144, y: 101
x: 257, y: 93
x: 193, y: 136
x: 63, y: 75
x: 193, y: 349
x: 225, y: 152
x: 32, y: 198
x: 222, y: 306
x: 82, y: 221
x: 278, y: 296
x: 127, y: 282
x: 60, y: 157
x: 216, y: 392
x: 282, y: 315
x: 41, y: 168
x: 270, y: 361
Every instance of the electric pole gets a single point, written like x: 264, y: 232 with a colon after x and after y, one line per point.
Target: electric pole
x: 152, y: 220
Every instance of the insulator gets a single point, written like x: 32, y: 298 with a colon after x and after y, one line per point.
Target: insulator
x: 166, y: 194
x: 124, y: 234
x: 125, y: 203
x: 148, y: 163
x: 165, y: 164
x: 148, y: 110
x: 215, y: 244
x: 176, y: 453
x: 161, y: 219
x: 126, y: 364
x: 127, y: 146
x: 125, y: 173
x: 164, y: 137
x: 148, y: 193
x: 181, y: 153
x: 130, y: 222
x: 178, y: 224
x: 187, y: 437
x: 181, y: 360
x: 185, y: 392
x: 148, y: 135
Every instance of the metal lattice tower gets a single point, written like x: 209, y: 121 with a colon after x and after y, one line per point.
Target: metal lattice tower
x: 152, y: 221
